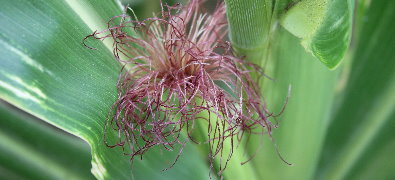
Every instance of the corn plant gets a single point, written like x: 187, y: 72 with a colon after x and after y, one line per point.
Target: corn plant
x: 303, y: 89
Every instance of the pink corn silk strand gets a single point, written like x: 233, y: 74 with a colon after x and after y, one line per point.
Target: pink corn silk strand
x: 172, y: 80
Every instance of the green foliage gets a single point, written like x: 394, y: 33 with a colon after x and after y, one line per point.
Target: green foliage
x: 337, y: 125
x: 333, y: 120
x: 47, y: 72
x: 361, y: 133
x: 324, y: 27
x: 249, y: 36
x: 31, y: 149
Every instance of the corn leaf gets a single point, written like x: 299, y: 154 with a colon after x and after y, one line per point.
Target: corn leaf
x: 31, y: 149
x: 303, y: 124
x: 324, y: 27
x: 360, y: 141
x: 46, y: 71
x: 337, y: 124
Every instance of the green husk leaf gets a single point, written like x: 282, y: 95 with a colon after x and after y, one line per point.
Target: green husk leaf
x: 324, y: 26
x: 303, y: 124
x: 249, y: 24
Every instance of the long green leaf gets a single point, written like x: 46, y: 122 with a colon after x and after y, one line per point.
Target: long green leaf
x: 47, y: 72
x: 303, y: 124
x: 361, y: 127
x: 31, y: 149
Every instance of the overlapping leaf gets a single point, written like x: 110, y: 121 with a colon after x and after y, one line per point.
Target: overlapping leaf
x: 31, y: 149
x: 324, y: 27
x: 361, y: 134
x: 46, y: 71
x: 303, y: 124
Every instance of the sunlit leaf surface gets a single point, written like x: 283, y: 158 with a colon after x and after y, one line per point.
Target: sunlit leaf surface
x: 337, y: 124
x: 46, y: 71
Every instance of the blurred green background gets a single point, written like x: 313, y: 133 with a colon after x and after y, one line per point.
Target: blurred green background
x: 339, y: 124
